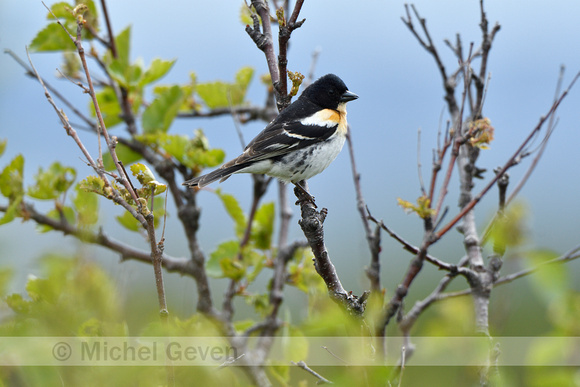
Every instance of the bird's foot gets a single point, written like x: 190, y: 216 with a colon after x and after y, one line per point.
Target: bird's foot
x: 303, y: 195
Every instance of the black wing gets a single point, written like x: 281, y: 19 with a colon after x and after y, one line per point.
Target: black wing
x: 287, y: 132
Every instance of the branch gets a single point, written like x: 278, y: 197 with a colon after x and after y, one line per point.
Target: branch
x: 448, y: 83
x: 263, y: 40
x: 321, y: 379
x: 171, y: 264
x: 373, y: 237
x: 511, y: 162
x: 143, y: 215
x: 311, y: 223
x: 570, y: 255
x: 410, y: 248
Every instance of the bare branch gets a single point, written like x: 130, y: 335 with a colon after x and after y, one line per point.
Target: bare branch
x: 311, y: 223
x: 321, y: 379
x: 373, y: 237
x: 510, y: 162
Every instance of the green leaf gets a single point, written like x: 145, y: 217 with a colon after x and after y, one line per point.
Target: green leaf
x: 92, y: 16
x: 11, y: 178
x: 223, y: 262
x: 117, y: 70
x: 123, y: 44
x: 3, y: 146
x: 263, y: 226
x: 93, y: 184
x: 6, y: 275
x: 222, y: 94
x: 204, y: 159
x: 156, y: 71
x: 294, y: 344
x: 146, y: 178
x: 125, y: 154
x: 12, y: 212
x: 51, y: 38
x: 126, y: 75
x: 87, y: 206
x: 52, y: 182
x: 18, y: 304
x: 129, y: 222
x: 61, y: 10
x: 243, y: 79
x: 242, y: 325
x: 142, y: 173
x: 510, y: 228
x: 191, y: 152
x: 261, y: 303
x: 551, y: 280
x: 302, y: 273
x: 256, y: 260
x: 110, y: 107
x: 234, y: 211
x: 245, y: 15
x: 67, y: 212
x: 160, y: 114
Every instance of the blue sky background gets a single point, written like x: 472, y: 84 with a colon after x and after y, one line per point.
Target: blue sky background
x: 367, y: 45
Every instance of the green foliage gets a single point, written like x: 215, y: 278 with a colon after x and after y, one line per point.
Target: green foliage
x: 193, y: 153
x: 245, y: 14
x: 124, y: 153
x: 147, y: 180
x: 123, y: 46
x: 552, y: 280
x: 156, y: 71
x: 53, y: 38
x: 11, y: 187
x: 12, y: 212
x: 3, y: 146
x: 223, y: 94
x: 6, y: 275
x: 52, y: 182
x: 302, y: 274
x: 234, y: 210
x: 86, y: 205
x: 109, y: 106
x: 422, y: 208
x: 130, y: 223
x: 160, y: 114
x: 509, y: 229
x: 11, y: 178
x: 223, y: 262
x: 263, y: 226
x: 58, y: 214
x: 93, y: 184
x: 72, y: 292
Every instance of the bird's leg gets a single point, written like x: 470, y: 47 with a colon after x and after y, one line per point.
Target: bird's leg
x: 306, y: 195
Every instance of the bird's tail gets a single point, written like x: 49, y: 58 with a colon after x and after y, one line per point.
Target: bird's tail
x: 220, y: 174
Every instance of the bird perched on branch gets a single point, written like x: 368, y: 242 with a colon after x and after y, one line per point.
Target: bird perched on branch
x: 300, y: 142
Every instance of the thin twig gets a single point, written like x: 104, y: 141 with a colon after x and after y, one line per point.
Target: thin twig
x: 321, y: 379
x: 373, y: 237
x: 509, y: 163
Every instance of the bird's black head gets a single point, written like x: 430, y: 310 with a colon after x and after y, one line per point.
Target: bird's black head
x: 328, y: 92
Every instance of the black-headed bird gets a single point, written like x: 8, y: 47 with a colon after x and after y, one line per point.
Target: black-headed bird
x: 300, y: 142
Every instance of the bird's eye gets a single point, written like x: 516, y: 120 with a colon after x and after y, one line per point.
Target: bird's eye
x: 331, y: 92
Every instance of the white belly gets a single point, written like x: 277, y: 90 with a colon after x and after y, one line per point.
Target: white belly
x: 308, y: 162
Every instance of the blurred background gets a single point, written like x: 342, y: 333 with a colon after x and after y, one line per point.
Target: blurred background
x: 400, y: 90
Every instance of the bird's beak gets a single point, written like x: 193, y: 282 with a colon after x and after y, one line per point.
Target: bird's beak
x: 348, y: 96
